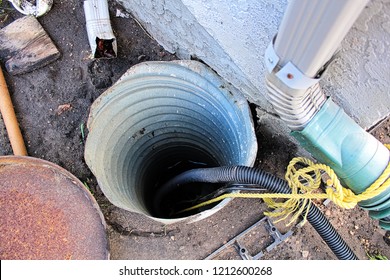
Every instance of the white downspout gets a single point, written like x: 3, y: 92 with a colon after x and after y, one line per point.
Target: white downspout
x: 309, y: 35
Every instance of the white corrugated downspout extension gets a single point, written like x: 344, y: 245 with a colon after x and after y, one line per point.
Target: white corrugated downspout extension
x: 100, y: 35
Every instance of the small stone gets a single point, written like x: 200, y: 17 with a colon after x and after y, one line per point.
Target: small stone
x: 141, y: 57
x: 327, y: 213
x: 386, y: 238
x: 173, y: 238
x: 351, y: 232
x: 122, y: 14
x: 305, y: 254
x: 356, y: 227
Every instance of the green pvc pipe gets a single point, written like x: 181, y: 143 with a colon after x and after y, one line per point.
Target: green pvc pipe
x: 357, y: 157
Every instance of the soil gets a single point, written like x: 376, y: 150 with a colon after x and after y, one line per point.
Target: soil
x: 52, y: 105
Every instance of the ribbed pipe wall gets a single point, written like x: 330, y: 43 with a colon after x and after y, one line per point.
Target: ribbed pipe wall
x: 157, y: 115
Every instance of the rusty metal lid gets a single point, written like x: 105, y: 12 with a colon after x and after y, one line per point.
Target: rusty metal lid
x: 47, y: 213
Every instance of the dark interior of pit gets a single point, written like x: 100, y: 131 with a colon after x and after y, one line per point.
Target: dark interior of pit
x: 165, y: 166
x: 168, y: 162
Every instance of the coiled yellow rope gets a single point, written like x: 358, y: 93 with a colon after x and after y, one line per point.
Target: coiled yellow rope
x: 301, y: 193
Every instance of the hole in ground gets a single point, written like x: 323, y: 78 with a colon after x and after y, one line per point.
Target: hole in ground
x: 169, y: 164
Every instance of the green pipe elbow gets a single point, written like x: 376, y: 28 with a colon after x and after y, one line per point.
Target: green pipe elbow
x: 357, y: 157
x: 333, y: 138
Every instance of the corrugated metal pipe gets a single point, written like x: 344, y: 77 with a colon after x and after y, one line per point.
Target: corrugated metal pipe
x: 158, y: 120
x: 308, y: 37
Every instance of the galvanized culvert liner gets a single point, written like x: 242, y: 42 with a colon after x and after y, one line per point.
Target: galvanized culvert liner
x: 158, y: 120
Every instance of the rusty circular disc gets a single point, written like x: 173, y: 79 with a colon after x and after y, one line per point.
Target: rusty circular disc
x: 47, y: 213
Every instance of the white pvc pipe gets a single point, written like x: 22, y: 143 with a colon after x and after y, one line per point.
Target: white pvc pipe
x: 312, y: 30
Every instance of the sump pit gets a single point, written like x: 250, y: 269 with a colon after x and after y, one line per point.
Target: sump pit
x: 166, y: 166
x: 159, y: 119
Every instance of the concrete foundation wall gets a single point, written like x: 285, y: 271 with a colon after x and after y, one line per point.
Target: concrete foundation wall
x: 231, y: 37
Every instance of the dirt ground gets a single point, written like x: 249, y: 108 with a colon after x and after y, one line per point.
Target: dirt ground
x: 52, y: 105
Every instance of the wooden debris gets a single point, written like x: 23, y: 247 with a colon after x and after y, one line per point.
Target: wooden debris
x: 63, y: 108
x: 25, y: 46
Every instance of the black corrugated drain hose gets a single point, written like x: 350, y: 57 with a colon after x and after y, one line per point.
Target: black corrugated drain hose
x: 249, y: 175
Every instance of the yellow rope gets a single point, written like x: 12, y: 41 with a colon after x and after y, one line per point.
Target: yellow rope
x: 304, y: 192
